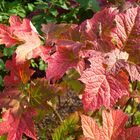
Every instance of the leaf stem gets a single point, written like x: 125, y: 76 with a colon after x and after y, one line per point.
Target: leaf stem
x: 55, y: 111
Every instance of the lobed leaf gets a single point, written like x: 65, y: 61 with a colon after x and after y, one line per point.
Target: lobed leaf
x: 113, y: 127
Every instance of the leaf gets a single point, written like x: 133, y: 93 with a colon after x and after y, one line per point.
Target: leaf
x: 89, y: 4
x: 31, y: 42
x: 64, y: 58
x: 113, y: 127
x: 15, y: 127
x: 9, y: 51
x: 67, y: 128
x: 102, y: 89
x: 97, y: 30
x: 17, y: 72
x: 6, y: 36
x: 17, y: 25
x: 13, y: 99
x: 134, y: 71
x: 126, y: 33
x: 115, y: 60
x: 56, y: 32
x: 2, y: 67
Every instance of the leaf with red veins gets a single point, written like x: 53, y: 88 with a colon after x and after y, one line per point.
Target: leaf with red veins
x: 64, y: 58
x: 43, y: 51
x: 17, y: 25
x: 127, y: 32
x: 113, y: 127
x: 18, y: 72
x: 6, y: 36
x: 31, y: 41
x: 97, y: 30
x: 90, y: 128
x: 115, y: 60
x: 17, y: 126
x: 134, y: 71
x: 102, y: 89
x: 132, y: 133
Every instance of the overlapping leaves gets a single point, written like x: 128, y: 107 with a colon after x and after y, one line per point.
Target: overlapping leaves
x: 113, y: 127
x: 105, y: 50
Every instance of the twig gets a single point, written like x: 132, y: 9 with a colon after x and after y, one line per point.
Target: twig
x: 55, y: 111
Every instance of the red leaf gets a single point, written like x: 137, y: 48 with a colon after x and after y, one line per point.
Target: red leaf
x: 90, y: 128
x: 134, y: 71
x: 113, y: 127
x: 16, y: 126
x: 31, y: 42
x: 115, y: 60
x: 97, y: 30
x: 17, y: 72
x: 17, y: 25
x: 102, y: 89
x: 6, y: 36
x: 126, y: 34
x: 132, y: 133
x: 64, y: 58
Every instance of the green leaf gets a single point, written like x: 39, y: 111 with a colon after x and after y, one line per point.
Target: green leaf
x: 94, y: 5
x: 2, y: 66
x: 75, y: 85
x: 1, y: 81
x: 42, y: 65
x: 21, y: 14
x: 9, y: 51
x: 4, y: 137
x: 137, y: 118
x: 89, y: 4
x: 67, y: 128
x: 31, y: 6
x: 53, y: 12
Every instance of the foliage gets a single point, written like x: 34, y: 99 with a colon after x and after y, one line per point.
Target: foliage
x: 67, y: 130
x: 54, y: 50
